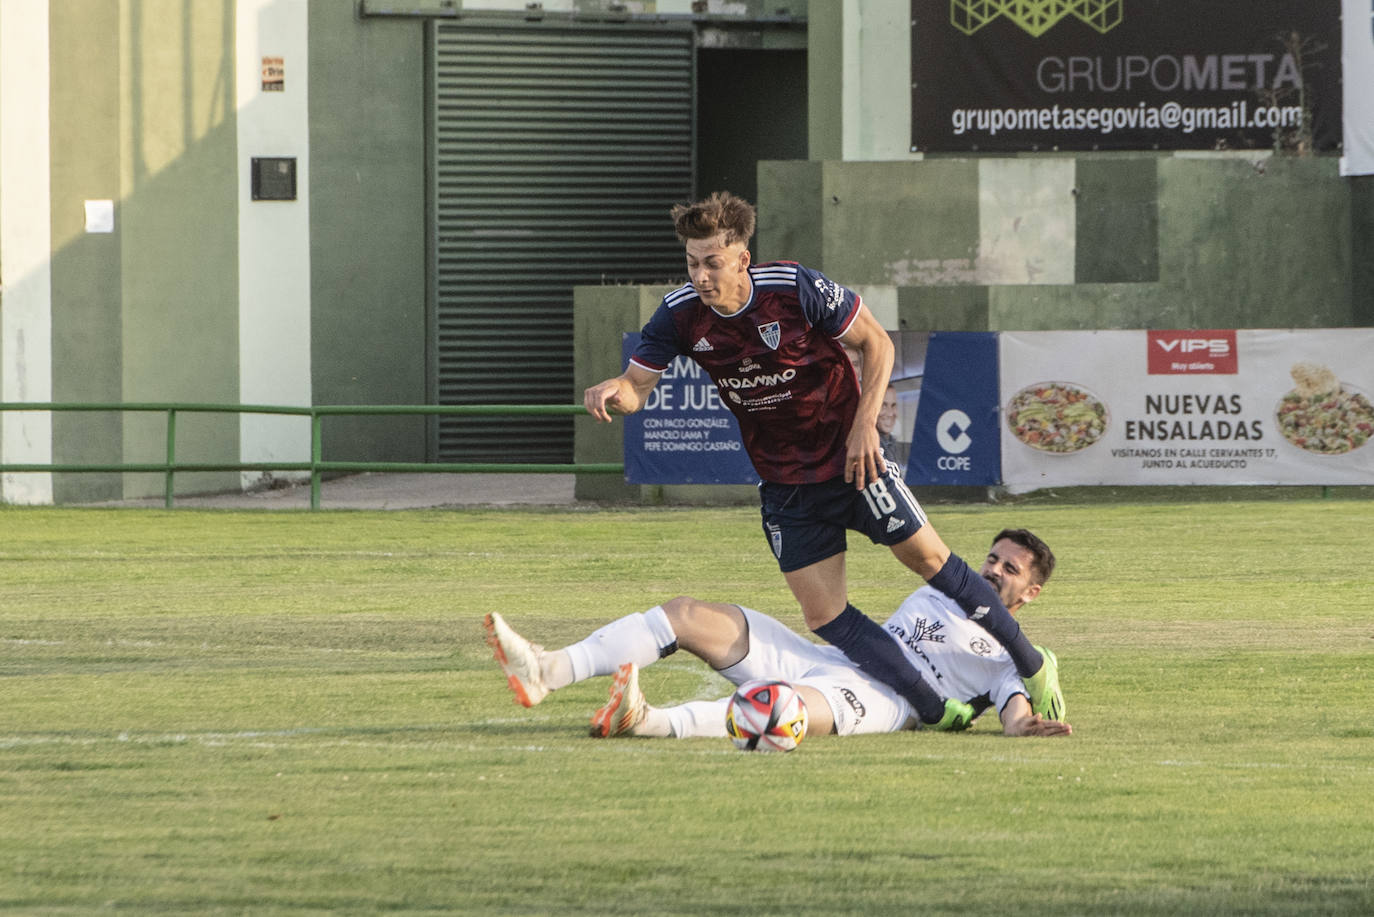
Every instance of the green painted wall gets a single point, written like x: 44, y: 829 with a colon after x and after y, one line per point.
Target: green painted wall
x: 1362, y: 248
x: 87, y: 339
x: 1264, y: 245
x: 1161, y: 242
x: 179, y: 264
x: 890, y: 223
x: 1118, y: 221
x: 367, y: 226
x: 143, y: 114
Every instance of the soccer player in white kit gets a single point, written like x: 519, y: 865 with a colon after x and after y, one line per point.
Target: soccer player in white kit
x: 951, y: 652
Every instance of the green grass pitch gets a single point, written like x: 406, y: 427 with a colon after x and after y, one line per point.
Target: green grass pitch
x: 246, y: 712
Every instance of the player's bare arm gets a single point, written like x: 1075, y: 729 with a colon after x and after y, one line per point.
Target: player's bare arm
x: 1018, y: 720
x: 863, y: 458
x: 624, y: 394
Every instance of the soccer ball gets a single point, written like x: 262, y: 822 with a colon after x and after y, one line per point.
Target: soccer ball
x: 766, y: 716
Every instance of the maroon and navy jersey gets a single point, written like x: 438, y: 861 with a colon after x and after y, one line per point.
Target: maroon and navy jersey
x: 778, y: 365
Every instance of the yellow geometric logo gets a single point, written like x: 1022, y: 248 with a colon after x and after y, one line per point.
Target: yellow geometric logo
x: 1035, y: 16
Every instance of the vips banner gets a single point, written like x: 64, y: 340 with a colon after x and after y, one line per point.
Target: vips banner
x: 1187, y: 407
x: 1357, y: 65
x: 684, y: 434
x: 1014, y: 75
x: 955, y: 440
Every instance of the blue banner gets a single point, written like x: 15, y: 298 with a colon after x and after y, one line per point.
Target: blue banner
x: 956, y: 440
x: 684, y: 434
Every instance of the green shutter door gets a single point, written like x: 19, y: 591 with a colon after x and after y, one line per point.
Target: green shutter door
x: 557, y: 153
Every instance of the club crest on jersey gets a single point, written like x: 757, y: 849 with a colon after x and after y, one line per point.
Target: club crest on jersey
x: 771, y: 334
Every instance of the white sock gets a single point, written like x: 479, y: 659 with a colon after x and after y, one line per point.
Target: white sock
x: 641, y: 638
x: 655, y: 724
x: 698, y: 719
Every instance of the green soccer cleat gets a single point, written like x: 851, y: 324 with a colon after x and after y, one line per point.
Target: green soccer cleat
x: 1043, y: 687
x: 958, y: 717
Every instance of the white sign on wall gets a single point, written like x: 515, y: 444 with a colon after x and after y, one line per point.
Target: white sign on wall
x: 1357, y: 69
x: 1187, y: 407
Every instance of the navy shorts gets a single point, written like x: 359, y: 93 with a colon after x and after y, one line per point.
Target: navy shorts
x: 806, y: 523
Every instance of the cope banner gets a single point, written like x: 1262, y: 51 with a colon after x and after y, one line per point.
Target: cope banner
x: 1016, y: 75
x: 955, y: 437
x: 1187, y: 407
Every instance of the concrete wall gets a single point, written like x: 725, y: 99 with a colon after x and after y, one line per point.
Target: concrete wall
x: 368, y: 228
x: 1144, y: 242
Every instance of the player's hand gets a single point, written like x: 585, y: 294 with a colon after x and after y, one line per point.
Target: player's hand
x: 601, y: 399
x: 863, y: 456
x: 1037, y: 725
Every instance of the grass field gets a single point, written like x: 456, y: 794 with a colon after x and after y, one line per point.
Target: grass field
x: 223, y: 712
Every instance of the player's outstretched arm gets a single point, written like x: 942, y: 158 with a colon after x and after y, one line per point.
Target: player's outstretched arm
x: 624, y: 394
x: 863, y: 453
x: 1018, y: 720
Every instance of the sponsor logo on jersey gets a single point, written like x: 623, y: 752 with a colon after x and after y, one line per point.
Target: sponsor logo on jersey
x: 980, y: 646
x: 831, y: 292
x: 758, y: 381
x: 702, y: 346
x: 853, y: 701
x: 749, y: 366
x: 771, y: 334
x: 893, y: 524
x: 921, y: 630
x: 1188, y: 352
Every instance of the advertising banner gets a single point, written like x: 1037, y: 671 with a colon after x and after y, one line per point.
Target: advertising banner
x: 1017, y: 75
x: 955, y: 440
x: 1187, y: 407
x: 1357, y: 65
x: 684, y: 434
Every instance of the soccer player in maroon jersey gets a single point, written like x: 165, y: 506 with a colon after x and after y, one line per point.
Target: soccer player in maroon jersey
x: 769, y: 336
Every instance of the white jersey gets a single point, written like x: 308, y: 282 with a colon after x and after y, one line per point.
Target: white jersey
x: 955, y: 656
x: 958, y: 657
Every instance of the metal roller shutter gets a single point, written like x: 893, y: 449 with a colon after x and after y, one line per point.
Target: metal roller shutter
x: 557, y: 153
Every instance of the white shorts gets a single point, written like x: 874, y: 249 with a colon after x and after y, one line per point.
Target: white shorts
x: 858, y: 703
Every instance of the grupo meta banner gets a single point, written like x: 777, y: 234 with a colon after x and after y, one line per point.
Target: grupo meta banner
x: 1015, y: 75
x: 1187, y: 407
x: 1357, y: 65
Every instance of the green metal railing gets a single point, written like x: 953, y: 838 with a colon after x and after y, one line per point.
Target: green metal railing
x: 316, y: 466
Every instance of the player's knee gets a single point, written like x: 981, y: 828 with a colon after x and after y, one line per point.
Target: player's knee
x: 689, y: 619
x: 679, y: 610
x: 820, y: 615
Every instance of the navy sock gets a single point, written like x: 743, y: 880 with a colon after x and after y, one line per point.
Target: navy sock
x: 876, y: 652
x: 981, y: 603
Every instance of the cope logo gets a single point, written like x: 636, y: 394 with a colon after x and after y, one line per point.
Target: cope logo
x: 1184, y: 352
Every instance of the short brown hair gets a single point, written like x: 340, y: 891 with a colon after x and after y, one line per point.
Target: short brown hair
x: 721, y: 213
x: 1042, y: 563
